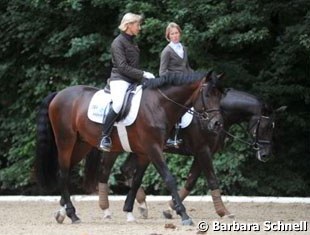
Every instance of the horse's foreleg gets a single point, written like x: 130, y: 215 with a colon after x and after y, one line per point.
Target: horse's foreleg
x: 106, y: 164
x: 205, y: 161
x: 162, y: 168
x: 142, y: 165
x: 191, y: 180
x: 219, y: 205
x: 185, y: 191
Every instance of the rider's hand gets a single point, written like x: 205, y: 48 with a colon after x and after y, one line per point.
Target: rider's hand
x: 148, y: 75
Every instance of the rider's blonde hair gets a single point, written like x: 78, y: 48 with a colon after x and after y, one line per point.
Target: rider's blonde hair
x: 129, y: 18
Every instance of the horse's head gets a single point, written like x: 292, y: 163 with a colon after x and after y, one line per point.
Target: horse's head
x: 207, y: 103
x: 261, y: 129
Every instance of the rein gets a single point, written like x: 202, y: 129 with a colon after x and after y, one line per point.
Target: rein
x: 255, y: 140
x: 237, y: 138
x: 203, y: 115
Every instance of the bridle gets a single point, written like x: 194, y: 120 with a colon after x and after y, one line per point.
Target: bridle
x: 256, y: 142
x: 204, y: 111
x: 202, y: 114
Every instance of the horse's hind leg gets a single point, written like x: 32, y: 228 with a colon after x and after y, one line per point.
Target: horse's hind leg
x: 67, y: 207
x: 128, y: 168
x: 65, y: 152
x: 65, y: 200
x: 142, y: 164
x: 142, y: 205
x: 106, y: 164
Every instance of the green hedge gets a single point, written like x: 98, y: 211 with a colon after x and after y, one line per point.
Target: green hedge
x: 263, y: 47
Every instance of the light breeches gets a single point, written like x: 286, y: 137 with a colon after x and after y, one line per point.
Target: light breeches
x: 118, y: 90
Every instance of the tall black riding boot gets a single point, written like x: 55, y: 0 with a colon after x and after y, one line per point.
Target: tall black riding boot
x: 106, y: 142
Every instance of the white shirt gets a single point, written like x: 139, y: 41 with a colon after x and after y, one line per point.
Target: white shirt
x: 178, y: 48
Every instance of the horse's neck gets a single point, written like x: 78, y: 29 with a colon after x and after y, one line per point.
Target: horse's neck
x: 182, y: 95
x: 233, y: 117
x: 166, y: 105
x: 239, y: 107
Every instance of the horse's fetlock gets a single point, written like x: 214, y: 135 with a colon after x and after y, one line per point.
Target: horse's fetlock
x: 170, y: 182
x: 62, y: 202
x: 70, y: 210
x: 179, y: 209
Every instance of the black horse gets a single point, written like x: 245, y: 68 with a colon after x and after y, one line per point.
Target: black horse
x: 198, y: 141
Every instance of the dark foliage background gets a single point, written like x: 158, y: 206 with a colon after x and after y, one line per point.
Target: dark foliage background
x: 262, y: 46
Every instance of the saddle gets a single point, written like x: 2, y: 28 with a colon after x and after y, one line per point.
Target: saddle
x: 126, y: 102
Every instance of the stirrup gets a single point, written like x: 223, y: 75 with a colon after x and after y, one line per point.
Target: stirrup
x: 105, y: 144
x: 173, y: 143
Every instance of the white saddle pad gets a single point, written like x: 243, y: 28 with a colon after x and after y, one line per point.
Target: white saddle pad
x: 99, y: 105
x: 186, y: 119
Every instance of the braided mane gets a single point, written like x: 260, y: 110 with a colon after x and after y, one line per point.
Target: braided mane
x: 174, y: 79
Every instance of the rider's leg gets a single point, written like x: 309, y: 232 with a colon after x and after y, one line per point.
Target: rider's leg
x: 118, y: 90
x: 106, y: 142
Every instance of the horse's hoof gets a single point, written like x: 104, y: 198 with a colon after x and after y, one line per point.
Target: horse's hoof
x: 143, y: 212
x: 107, y: 214
x: 60, y: 217
x: 167, y: 214
x: 78, y: 221
x: 75, y: 219
x: 107, y: 217
x: 187, y: 222
x: 130, y: 217
x: 131, y: 220
x: 226, y: 214
x: 230, y: 216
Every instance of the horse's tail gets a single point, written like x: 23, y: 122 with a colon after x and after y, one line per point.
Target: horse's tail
x: 46, y: 162
x: 91, y: 170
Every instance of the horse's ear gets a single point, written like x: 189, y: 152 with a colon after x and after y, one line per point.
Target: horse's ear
x: 209, y: 73
x: 281, y: 109
x: 221, y: 76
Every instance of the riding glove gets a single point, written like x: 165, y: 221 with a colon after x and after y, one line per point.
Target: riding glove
x: 148, y: 75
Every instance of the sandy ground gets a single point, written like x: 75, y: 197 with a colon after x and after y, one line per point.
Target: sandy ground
x: 37, y: 218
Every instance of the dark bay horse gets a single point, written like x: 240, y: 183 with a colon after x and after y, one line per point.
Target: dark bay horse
x: 237, y: 107
x: 65, y: 134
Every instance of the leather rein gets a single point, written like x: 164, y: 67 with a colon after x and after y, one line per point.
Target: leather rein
x: 203, y: 114
x: 256, y: 142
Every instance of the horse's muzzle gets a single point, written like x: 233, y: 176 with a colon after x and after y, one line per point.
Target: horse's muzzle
x: 215, y: 125
x: 263, y: 154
